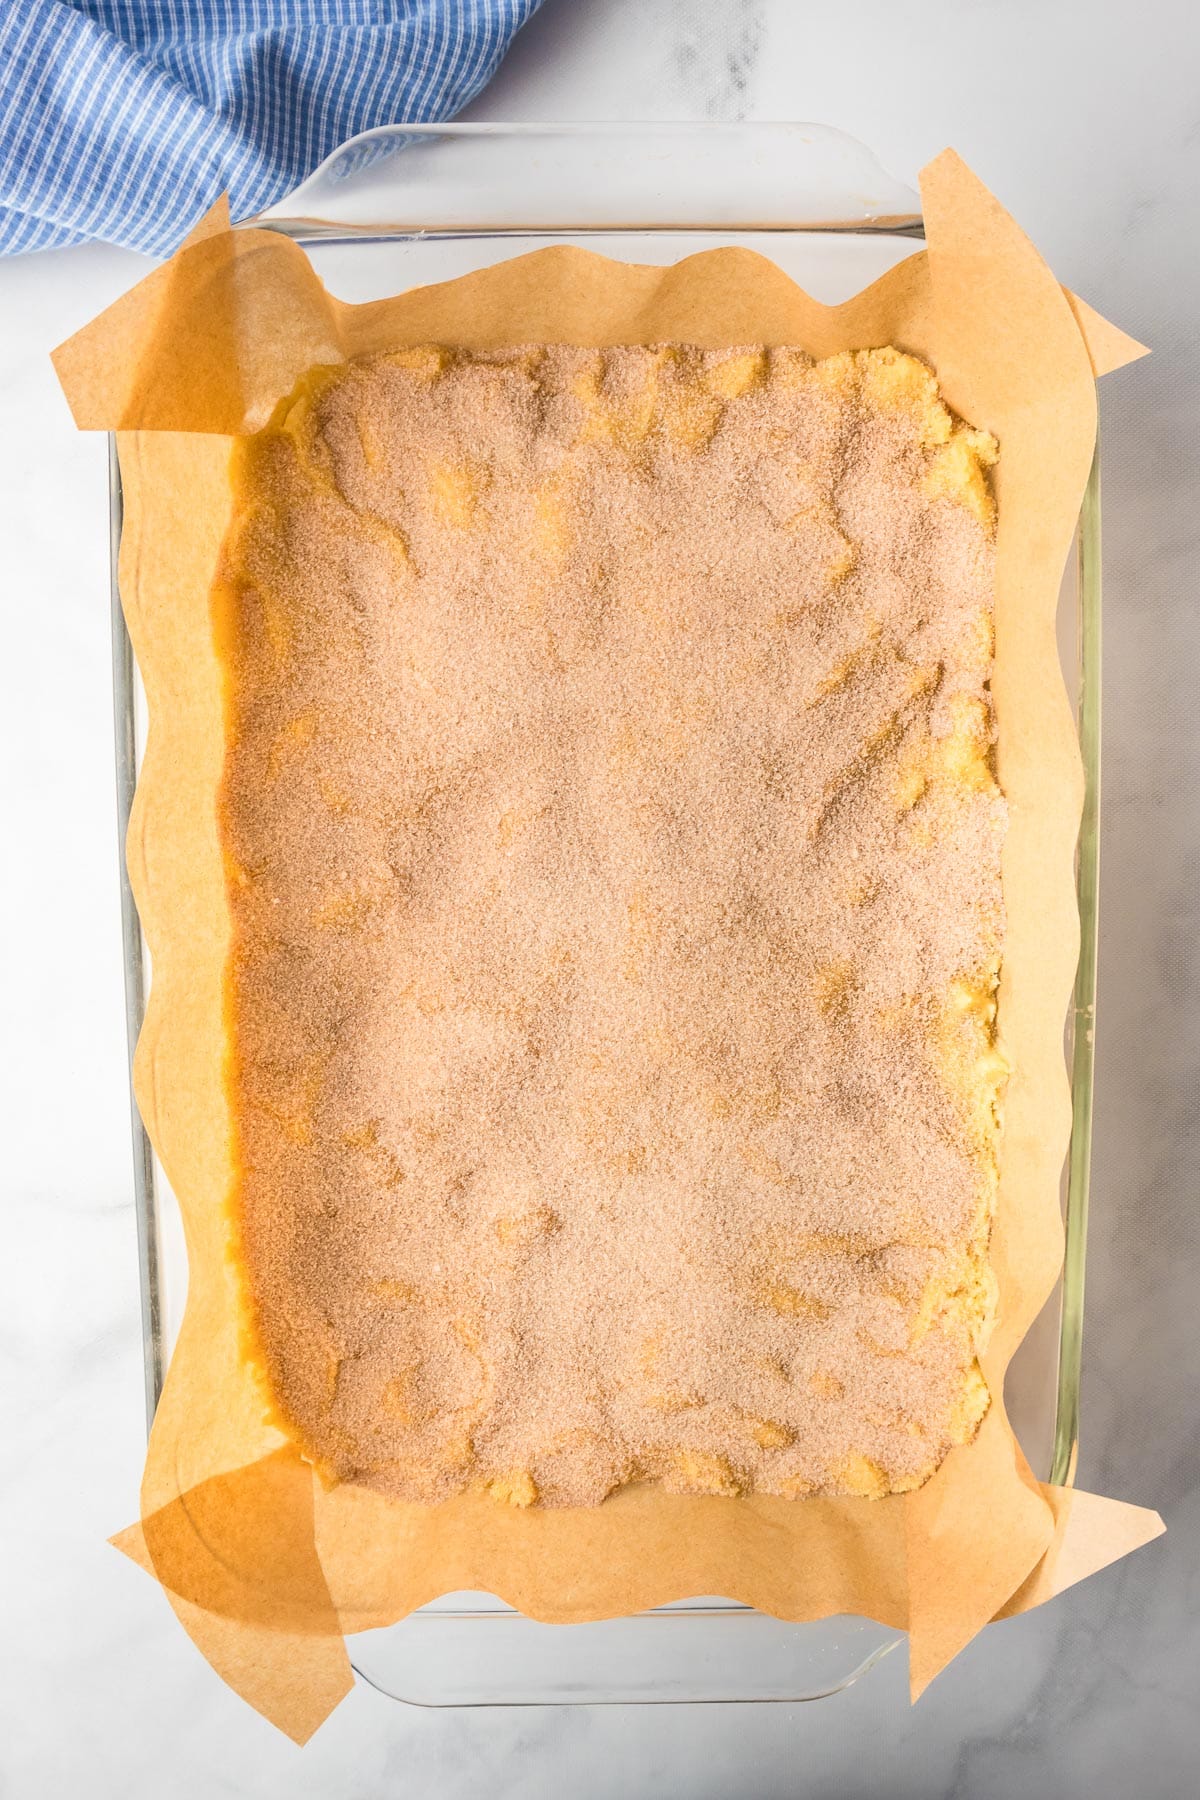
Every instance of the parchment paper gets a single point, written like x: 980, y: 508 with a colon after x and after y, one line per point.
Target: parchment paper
x: 265, y: 1567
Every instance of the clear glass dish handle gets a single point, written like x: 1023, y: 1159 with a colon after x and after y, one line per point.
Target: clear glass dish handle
x: 423, y: 180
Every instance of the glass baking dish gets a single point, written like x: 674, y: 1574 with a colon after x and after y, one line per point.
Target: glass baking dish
x: 408, y: 205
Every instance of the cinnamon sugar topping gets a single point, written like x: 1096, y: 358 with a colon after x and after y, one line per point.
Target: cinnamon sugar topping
x: 613, y: 858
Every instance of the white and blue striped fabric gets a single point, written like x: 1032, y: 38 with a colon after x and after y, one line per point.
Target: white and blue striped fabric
x: 125, y: 119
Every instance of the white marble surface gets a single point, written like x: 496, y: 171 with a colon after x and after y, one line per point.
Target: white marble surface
x: 1084, y: 119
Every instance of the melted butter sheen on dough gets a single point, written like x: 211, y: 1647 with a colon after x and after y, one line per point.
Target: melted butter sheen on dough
x: 613, y: 858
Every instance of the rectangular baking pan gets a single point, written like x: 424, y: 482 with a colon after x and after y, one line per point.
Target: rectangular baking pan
x: 406, y: 205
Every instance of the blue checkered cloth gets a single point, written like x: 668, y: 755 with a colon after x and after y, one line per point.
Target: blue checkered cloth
x: 125, y: 119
